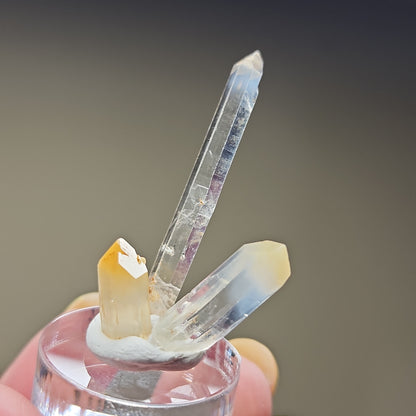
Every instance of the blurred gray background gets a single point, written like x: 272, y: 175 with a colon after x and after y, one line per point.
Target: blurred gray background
x: 104, y: 106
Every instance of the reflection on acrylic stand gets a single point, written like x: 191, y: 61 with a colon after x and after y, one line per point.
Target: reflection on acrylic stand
x: 70, y: 380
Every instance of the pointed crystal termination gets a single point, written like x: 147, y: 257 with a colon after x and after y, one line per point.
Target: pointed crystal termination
x: 205, y: 183
x: 223, y: 299
x: 123, y: 290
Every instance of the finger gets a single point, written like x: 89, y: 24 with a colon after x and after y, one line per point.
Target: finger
x: 13, y: 403
x: 20, y: 373
x: 259, y: 354
x: 83, y: 301
x: 252, y: 396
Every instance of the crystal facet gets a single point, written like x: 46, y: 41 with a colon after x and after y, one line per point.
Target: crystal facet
x: 204, y: 186
x: 223, y: 299
x: 124, y: 287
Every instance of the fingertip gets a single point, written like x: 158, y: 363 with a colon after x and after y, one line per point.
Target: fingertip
x: 259, y: 354
x: 252, y: 396
x: 84, y: 301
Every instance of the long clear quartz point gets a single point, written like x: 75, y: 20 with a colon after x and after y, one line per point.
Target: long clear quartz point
x: 223, y: 299
x: 205, y: 183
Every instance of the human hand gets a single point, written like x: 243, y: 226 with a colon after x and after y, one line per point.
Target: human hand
x: 258, y: 375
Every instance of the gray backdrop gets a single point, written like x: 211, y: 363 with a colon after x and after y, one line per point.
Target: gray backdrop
x: 104, y: 106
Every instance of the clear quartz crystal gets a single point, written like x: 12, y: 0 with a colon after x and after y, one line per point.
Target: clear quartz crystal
x: 223, y: 299
x: 204, y: 186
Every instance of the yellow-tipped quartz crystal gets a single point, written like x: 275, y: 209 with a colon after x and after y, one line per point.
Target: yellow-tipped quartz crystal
x: 223, y: 299
x: 123, y: 287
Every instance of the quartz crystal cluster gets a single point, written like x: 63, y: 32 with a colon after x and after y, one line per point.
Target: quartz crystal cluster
x: 200, y: 319
x: 229, y: 294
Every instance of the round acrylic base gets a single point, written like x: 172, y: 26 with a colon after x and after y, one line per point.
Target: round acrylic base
x: 70, y: 380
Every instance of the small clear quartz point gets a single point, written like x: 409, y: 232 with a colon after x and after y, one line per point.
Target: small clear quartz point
x: 205, y: 183
x: 223, y: 299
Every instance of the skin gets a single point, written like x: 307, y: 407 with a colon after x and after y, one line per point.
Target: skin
x: 253, y: 396
x: 259, y: 354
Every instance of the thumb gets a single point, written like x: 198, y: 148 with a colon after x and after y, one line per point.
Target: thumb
x: 13, y: 403
x: 19, y: 375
